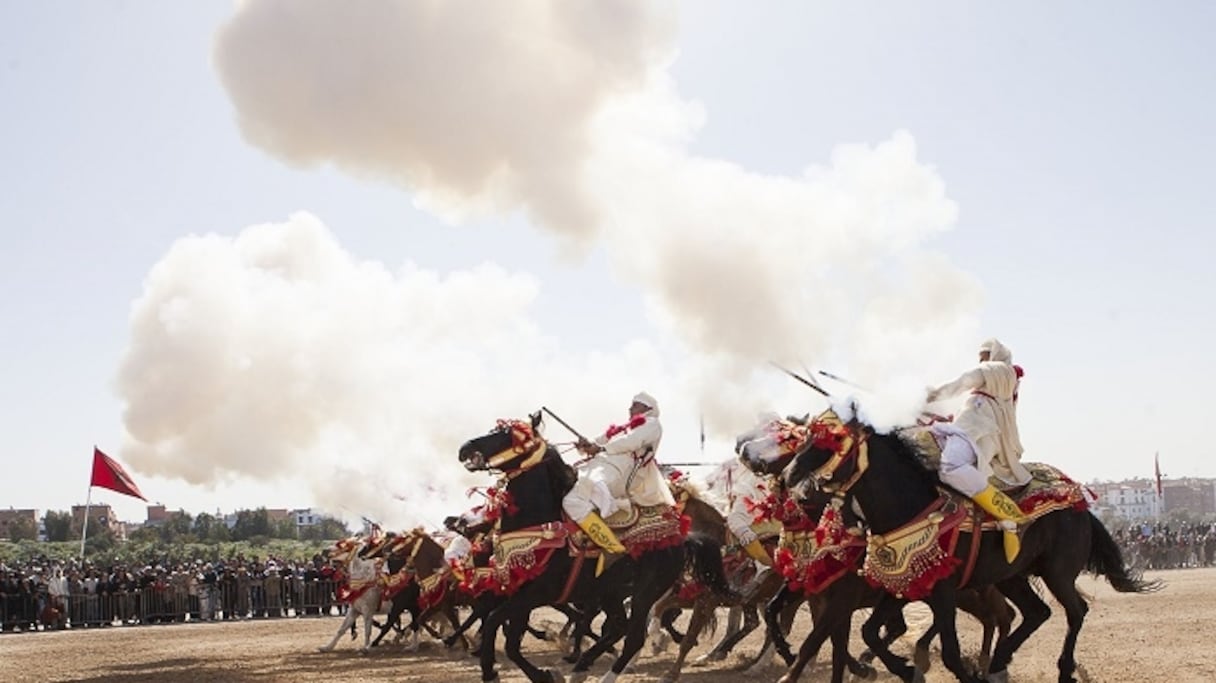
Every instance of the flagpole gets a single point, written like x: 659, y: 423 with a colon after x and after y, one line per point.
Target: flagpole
x: 85, y: 530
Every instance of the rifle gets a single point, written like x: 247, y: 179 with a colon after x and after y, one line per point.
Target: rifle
x: 810, y: 383
x: 572, y: 430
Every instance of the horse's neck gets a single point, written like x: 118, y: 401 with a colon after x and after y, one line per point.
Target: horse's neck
x: 533, y: 498
x: 429, y: 557
x: 706, y: 518
x: 894, y: 490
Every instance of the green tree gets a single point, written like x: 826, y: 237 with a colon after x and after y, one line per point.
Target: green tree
x: 177, y: 527
x: 250, y: 523
x: 58, y: 525
x: 286, y: 528
x: 22, y: 529
x: 205, y: 527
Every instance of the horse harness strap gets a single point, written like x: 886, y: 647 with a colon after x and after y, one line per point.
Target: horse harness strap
x: 575, y: 570
x: 973, y: 552
x: 528, y: 463
x: 859, y: 448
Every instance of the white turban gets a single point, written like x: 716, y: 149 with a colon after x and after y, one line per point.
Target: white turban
x: 997, y: 351
x: 648, y: 401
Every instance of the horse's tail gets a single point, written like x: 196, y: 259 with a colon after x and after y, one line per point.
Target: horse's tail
x: 1105, y: 559
x: 703, y: 555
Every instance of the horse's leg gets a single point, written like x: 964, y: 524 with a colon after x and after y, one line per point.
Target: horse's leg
x: 660, y: 628
x: 513, y: 634
x: 920, y: 654
x: 371, y: 606
x: 772, y: 612
x: 701, y: 611
x: 489, y: 634
x: 1064, y: 588
x: 943, y: 601
x: 1034, y: 612
x: 831, y: 611
x: 348, y: 622
x: 664, y: 570
x: 667, y: 620
x: 477, y: 612
x: 612, y: 630
x: 873, y: 639
x: 393, y: 620
x: 751, y: 619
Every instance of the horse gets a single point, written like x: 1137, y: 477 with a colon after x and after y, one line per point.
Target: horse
x: 473, y: 526
x: 427, y: 584
x: 768, y: 450
x: 537, y: 480
x: 362, y: 589
x: 893, y: 488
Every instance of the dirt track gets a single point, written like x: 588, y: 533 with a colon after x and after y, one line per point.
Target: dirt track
x: 1163, y: 637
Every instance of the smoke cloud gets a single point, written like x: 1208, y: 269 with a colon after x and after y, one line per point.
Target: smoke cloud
x: 565, y: 111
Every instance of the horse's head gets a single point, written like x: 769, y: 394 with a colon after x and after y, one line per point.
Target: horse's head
x: 513, y: 445
x: 344, y: 549
x: 769, y: 446
x: 832, y: 456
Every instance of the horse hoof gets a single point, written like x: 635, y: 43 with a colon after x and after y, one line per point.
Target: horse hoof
x: 578, y: 676
x: 866, y: 672
x: 555, y: 676
x: 918, y: 676
x: 920, y: 658
x: 999, y: 677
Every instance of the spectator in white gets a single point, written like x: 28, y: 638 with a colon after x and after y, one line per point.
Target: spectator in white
x: 983, y: 439
x: 622, y: 472
x: 57, y: 587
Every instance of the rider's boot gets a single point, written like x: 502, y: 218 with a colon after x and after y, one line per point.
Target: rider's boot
x: 756, y: 551
x: 1008, y: 515
x: 597, y: 530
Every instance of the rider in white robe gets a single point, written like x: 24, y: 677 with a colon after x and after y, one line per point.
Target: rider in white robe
x: 623, y: 472
x: 983, y: 440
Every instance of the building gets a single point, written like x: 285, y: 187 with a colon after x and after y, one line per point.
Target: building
x: 100, y: 516
x: 1135, y: 499
x: 157, y: 515
x: 20, y: 519
x: 307, y: 517
x: 1194, y: 496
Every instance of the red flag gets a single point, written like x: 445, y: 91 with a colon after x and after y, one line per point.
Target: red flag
x: 108, y: 474
x: 1157, y: 471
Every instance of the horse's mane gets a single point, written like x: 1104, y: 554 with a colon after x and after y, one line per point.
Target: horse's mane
x: 904, y: 447
x: 564, y: 475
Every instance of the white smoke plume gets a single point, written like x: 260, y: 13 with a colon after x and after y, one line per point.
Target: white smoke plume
x: 276, y: 355
x: 563, y: 110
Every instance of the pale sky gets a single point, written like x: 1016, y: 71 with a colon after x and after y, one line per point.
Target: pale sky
x: 292, y: 254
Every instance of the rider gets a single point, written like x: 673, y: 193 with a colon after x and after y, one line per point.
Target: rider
x: 739, y: 518
x: 983, y: 438
x: 622, y: 472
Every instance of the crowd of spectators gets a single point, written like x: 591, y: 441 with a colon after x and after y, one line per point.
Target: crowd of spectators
x: 41, y: 594
x: 1160, y: 545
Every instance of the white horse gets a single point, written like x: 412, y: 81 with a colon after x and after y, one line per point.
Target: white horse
x: 364, y: 580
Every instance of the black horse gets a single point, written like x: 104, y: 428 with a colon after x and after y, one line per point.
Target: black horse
x: 893, y: 487
x: 767, y: 451
x: 538, y: 479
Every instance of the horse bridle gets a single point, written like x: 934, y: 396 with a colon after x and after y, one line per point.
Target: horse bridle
x: 524, y: 439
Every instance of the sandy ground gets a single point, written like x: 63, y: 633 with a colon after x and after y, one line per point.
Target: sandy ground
x: 1166, y: 636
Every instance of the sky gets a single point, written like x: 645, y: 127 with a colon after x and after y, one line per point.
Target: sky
x: 293, y: 254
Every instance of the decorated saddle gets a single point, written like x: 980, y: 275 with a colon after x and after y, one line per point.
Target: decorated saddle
x: 642, y: 529
x: 910, y: 560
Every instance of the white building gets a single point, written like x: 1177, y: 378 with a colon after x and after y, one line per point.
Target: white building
x: 1130, y: 500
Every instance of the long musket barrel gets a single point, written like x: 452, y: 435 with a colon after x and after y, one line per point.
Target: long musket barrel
x: 565, y: 424
x: 801, y: 379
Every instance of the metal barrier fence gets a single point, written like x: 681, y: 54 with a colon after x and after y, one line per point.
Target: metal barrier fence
x: 164, y: 604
